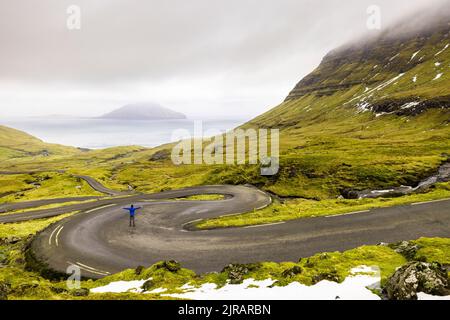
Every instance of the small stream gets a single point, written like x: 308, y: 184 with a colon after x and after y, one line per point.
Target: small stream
x: 442, y: 175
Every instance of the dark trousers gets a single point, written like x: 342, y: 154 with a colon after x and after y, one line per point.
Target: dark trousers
x: 132, y: 224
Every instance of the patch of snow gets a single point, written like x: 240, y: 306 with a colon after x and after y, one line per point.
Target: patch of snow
x: 392, y: 58
x: 366, y: 89
x: 363, y: 107
x: 382, y: 191
x: 438, y: 76
x: 424, y: 296
x: 446, y: 46
x: 357, y: 286
x: 437, y: 64
x: 410, y: 105
x: 354, y: 287
x: 159, y: 290
x: 413, y: 55
x: 365, y: 269
x: 121, y: 286
x: 377, y: 88
x: 414, y: 79
x: 385, y: 84
x: 375, y: 66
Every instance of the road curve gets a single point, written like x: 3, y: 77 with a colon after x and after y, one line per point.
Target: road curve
x: 101, y: 188
x: 94, y: 184
x: 101, y: 243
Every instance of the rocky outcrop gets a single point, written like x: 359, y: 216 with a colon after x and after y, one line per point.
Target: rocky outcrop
x: 5, y: 289
x: 236, y: 272
x: 442, y: 175
x: 139, y: 269
x: 82, y: 292
x: 148, y: 285
x: 329, y: 276
x: 406, y: 249
x: 160, y: 155
x: 171, y: 266
x: 292, y: 272
x: 414, y: 277
x: 409, y: 107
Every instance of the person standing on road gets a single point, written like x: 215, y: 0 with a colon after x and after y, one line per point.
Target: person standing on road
x: 132, y: 211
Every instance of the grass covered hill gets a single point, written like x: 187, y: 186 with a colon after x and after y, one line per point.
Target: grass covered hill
x: 18, y: 144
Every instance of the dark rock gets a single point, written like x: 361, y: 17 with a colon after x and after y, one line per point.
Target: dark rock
x: 25, y: 289
x: 324, y: 256
x: 160, y: 155
x: 58, y: 290
x: 309, y: 263
x: 330, y: 276
x: 236, y: 272
x: 10, y: 240
x: 430, y: 278
x: 172, y: 266
x: 5, y: 289
x: 139, y: 270
x: 82, y: 292
x: 292, y: 172
x: 406, y: 249
x: 346, y: 165
x: 148, y: 285
x: 350, y: 194
x: 289, y: 273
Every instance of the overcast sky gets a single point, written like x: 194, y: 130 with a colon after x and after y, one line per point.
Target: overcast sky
x: 205, y: 58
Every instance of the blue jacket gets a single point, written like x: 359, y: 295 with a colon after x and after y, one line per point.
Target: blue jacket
x: 132, y: 211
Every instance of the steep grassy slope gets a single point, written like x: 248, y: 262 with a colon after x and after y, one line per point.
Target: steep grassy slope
x: 371, y: 115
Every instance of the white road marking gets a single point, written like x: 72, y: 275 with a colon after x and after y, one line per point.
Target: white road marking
x: 265, y: 225
x: 51, y: 235
x: 264, y: 206
x: 99, y: 208
x: 346, y: 214
x: 91, y: 268
x: 57, y: 235
x: 425, y: 202
x: 88, y: 270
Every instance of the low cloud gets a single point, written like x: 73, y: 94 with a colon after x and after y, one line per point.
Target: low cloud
x: 201, y: 57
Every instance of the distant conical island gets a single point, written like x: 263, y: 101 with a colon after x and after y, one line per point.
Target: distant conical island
x: 143, y: 111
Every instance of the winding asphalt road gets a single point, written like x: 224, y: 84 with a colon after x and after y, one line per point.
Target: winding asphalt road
x: 100, y: 242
